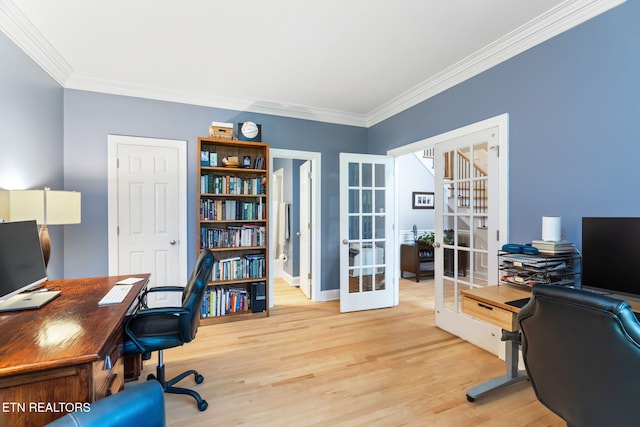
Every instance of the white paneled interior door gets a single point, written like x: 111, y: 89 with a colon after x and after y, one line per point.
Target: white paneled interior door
x: 149, y: 236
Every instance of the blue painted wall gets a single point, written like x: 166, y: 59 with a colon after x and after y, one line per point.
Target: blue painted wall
x: 89, y: 117
x: 574, y: 123
x: 31, y: 139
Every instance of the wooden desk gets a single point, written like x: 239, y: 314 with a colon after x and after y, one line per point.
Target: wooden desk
x: 65, y: 354
x: 490, y: 304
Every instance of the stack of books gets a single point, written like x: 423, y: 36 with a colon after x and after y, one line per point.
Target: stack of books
x: 552, y: 247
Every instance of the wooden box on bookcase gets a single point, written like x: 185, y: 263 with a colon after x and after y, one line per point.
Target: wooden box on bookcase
x: 233, y: 221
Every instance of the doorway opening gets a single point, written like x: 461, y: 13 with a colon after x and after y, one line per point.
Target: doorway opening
x: 294, y: 221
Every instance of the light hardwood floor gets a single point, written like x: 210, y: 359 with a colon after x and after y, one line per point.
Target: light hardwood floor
x: 309, y: 365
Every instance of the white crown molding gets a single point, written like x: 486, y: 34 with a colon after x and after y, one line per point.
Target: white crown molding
x: 113, y: 87
x: 22, y: 32
x: 557, y: 20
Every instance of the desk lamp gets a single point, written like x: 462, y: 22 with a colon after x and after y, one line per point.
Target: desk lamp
x: 47, y: 207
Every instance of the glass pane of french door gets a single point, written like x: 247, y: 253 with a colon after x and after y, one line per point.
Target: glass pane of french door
x: 464, y: 210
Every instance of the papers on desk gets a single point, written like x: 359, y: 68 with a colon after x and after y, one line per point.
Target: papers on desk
x: 129, y: 281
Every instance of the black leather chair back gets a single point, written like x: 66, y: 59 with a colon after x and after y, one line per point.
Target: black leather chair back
x: 193, y: 295
x: 582, y: 354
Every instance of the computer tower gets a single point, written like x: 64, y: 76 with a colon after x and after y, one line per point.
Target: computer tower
x: 258, y: 297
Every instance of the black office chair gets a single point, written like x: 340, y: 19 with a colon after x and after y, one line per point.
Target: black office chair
x: 582, y: 354
x: 156, y: 329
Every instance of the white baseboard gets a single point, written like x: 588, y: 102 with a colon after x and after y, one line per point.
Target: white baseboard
x: 329, y: 295
x: 291, y: 280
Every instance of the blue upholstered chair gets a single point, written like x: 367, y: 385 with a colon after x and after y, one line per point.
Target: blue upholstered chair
x: 140, y: 406
x: 582, y: 354
x: 156, y: 329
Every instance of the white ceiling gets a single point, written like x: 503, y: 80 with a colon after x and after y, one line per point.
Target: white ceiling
x: 353, y: 62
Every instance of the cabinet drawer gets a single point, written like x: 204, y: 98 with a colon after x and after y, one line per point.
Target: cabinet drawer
x: 500, y: 317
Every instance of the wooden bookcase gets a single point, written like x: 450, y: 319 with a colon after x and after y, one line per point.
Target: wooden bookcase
x: 233, y: 221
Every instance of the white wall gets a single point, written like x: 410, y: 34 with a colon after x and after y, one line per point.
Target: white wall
x: 412, y: 176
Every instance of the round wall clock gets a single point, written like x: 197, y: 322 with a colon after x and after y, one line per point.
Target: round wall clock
x: 249, y: 130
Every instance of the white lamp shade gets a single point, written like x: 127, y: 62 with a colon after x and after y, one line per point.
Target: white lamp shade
x: 25, y: 205
x: 4, y: 205
x: 62, y: 207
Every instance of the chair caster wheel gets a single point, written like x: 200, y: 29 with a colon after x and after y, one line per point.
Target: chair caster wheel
x: 199, y: 378
x: 151, y: 377
x: 203, y: 405
x: 471, y: 399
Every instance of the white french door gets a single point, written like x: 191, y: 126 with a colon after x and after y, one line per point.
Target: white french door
x: 367, y: 247
x: 470, y: 223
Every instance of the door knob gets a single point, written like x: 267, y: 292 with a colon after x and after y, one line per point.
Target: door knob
x: 436, y: 244
x: 345, y: 241
x: 298, y: 233
x: 172, y: 242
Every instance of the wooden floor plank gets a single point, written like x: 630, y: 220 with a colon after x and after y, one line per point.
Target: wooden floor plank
x: 308, y: 365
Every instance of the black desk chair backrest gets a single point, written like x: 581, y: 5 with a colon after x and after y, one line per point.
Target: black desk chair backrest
x: 582, y: 354
x: 156, y: 329
x: 193, y: 295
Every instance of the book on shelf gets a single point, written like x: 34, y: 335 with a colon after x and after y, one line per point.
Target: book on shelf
x: 204, y: 158
x: 231, y: 210
x: 250, y: 266
x: 233, y: 236
x: 553, y: 247
x: 259, y: 163
x: 223, y: 300
x: 231, y: 185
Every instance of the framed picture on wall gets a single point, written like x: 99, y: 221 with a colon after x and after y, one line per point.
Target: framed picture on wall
x: 423, y: 200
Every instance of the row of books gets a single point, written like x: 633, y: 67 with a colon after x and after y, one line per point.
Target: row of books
x: 222, y: 300
x: 251, y: 266
x: 223, y: 210
x: 233, y: 237
x: 215, y: 184
x: 259, y: 163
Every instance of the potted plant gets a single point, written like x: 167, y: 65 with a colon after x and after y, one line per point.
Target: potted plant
x: 426, y: 239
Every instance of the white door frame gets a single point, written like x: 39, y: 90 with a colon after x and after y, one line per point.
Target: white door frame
x: 304, y: 249
x: 483, y: 335
x: 113, y: 141
x: 316, y: 229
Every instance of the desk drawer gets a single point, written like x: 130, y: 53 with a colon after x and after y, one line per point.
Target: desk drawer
x: 500, y: 317
x: 108, y: 372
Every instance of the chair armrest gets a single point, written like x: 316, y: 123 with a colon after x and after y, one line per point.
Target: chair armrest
x: 143, y: 296
x: 164, y: 289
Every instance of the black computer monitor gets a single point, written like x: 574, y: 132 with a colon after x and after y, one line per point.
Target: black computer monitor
x: 21, y: 262
x: 610, y: 249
